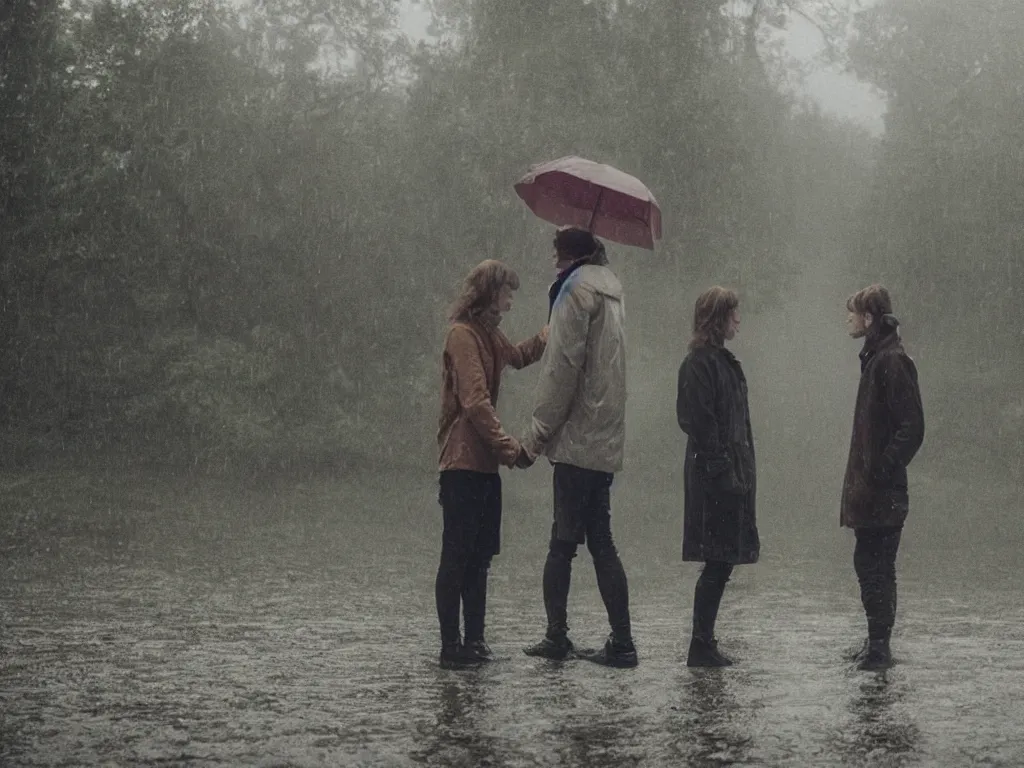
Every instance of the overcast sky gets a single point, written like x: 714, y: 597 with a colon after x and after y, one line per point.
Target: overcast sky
x: 837, y: 91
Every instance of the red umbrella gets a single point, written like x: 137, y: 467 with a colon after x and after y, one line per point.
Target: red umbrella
x: 602, y: 199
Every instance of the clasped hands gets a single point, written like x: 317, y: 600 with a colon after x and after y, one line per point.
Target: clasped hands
x: 525, y: 459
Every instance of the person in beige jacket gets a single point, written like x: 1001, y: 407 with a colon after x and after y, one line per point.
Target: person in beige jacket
x: 579, y: 424
x: 471, y: 446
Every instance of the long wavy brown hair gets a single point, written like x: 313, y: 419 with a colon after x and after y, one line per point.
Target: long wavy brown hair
x: 711, y: 316
x: 480, y: 289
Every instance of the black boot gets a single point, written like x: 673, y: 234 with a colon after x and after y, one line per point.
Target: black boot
x: 557, y: 577
x: 455, y: 656
x: 705, y: 653
x: 474, y: 608
x: 556, y: 648
x: 707, y: 596
x: 615, y: 653
x: 479, y: 650
x: 877, y: 657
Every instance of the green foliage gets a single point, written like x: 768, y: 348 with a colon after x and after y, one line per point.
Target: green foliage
x: 947, y: 202
x: 230, y: 230
x: 945, y: 211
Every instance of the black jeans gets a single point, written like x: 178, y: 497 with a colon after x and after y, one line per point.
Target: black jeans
x: 707, y: 596
x: 471, y: 503
x: 583, y: 514
x: 874, y: 559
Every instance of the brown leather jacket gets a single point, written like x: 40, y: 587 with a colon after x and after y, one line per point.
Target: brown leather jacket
x: 469, y: 434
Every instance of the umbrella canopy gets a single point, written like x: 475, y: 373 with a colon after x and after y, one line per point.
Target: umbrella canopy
x: 604, y: 200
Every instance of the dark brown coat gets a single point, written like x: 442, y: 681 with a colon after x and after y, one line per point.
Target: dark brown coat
x: 888, y: 429
x: 719, y: 517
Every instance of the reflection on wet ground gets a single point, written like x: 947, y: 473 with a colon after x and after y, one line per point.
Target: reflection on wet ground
x: 881, y: 730
x: 717, y: 728
x: 162, y: 624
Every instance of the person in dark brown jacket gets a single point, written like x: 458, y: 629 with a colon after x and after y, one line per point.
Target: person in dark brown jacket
x: 888, y: 429
x: 472, y: 445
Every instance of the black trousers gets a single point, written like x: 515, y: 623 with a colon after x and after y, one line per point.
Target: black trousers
x: 707, y: 597
x: 471, y: 504
x: 583, y: 514
x: 874, y: 559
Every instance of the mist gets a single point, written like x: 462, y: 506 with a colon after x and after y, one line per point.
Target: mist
x: 231, y: 232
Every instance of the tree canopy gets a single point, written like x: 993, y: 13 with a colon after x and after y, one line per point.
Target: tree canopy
x: 230, y: 228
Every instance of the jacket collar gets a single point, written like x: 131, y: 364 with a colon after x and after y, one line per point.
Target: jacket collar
x: 489, y: 318
x: 727, y: 354
x: 887, y: 338
x: 556, y: 287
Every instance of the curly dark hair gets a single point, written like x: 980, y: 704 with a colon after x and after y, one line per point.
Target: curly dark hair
x: 575, y: 243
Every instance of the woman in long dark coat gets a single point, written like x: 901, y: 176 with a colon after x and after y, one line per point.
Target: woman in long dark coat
x: 719, y: 523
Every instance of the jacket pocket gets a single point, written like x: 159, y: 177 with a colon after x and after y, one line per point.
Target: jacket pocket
x: 719, y: 476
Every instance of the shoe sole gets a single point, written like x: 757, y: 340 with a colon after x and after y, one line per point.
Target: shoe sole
x: 546, y: 656
x: 461, y: 664
x: 570, y: 653
x: 875, y: 667
x: 613, y: 665
x: 604, y: 661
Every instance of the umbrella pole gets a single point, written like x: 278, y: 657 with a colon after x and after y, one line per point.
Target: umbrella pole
x: 597, y: 207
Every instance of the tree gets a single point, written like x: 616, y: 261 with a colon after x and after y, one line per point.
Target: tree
x: 943, y: 224
x: 235, y: 227
x: 947, y: 201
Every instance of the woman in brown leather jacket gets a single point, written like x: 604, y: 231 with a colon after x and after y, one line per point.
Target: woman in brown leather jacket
x: 472, y: 445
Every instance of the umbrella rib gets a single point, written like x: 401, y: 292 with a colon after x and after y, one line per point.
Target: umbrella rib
x: 597, y: 208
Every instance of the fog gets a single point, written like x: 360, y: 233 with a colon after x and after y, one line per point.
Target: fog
x: 231, y: 232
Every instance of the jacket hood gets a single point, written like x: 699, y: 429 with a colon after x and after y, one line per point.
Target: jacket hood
x: 601, y: 279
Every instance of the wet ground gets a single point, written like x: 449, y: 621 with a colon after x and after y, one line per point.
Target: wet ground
x: 151, y: 620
